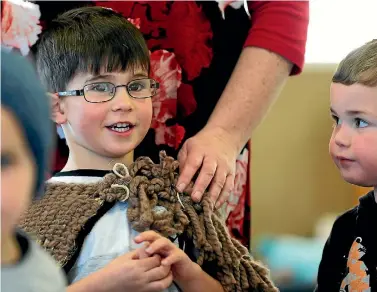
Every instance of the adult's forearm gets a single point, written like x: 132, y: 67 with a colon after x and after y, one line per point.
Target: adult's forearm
x: 255, y: 84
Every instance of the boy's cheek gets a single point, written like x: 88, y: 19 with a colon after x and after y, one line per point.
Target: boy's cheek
x: 331, y: 147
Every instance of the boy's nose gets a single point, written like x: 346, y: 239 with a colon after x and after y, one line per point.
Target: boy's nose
x: 122, y: 100
x: 342, y: 136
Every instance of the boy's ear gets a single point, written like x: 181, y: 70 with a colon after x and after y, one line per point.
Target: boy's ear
x: 58, y: 114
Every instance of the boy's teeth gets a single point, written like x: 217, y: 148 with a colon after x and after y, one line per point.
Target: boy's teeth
x: 116, y: 129
x: 120, y: 127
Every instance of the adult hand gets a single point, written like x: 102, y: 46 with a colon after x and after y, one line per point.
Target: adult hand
x: 213, y: 152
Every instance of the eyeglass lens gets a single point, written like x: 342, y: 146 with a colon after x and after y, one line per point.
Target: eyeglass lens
x: 104, y: 91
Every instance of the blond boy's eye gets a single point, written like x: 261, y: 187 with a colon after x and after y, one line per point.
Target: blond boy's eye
x: 360, y: 123
x: 336, y: 119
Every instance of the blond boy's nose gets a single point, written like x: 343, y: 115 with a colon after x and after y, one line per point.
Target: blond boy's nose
x: 342, y: 137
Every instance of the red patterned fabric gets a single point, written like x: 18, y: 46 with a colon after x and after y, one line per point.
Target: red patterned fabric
x: 235, y: 208
x: 166, y: 70
x: 194, y: 28
x: 19, y: 25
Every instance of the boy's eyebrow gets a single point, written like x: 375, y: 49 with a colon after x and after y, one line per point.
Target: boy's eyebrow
x: 109, y: 76
x: 97, y: 77
x: 355, y: 113
x: 370, y: 113
x: 351, y: 112
x: 140, y: 74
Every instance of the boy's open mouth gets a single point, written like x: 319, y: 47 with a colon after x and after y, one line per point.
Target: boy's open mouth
x: 121, y: 127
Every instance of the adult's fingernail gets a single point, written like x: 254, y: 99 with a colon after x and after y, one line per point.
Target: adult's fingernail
x: 197, y: 196
x: 181, y: 187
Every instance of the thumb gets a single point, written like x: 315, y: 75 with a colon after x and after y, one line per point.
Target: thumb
x: 131, y: 255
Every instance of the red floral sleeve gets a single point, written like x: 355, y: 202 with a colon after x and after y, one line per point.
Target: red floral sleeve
x: 281, y: 27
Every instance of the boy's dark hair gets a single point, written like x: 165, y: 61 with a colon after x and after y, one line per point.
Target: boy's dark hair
x: 359, y: 66
x: 88, y: 40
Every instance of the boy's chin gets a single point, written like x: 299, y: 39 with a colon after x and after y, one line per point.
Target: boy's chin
x: 360, y: 182
x: 119, y: 153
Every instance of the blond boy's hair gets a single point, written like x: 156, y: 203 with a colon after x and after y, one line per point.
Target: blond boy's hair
x: 359, y: 66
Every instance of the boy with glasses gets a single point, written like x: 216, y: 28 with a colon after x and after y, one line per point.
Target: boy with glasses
x: 97, y: 65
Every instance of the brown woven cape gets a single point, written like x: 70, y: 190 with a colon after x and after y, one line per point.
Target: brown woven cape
x: 58, y: 219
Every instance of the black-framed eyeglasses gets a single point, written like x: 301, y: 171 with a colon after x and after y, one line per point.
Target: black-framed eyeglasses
x: 105, y: 91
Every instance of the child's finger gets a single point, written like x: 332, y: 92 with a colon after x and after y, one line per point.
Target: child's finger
x: 158, y: 246
x: 162, y: 284
x: 172, y: 259
x: 157, y: 274
x: 150, y: 263
x: 147, y: 236
x: 132, y: 255
x: 141, y: 251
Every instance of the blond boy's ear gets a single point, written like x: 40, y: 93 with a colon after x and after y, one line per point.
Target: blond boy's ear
x: 58, y: 114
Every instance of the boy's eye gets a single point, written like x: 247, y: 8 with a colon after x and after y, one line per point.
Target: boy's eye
x: 336, y: 119
x: 100, y: 87
x: 360, y: 123
x: 136, y: 86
